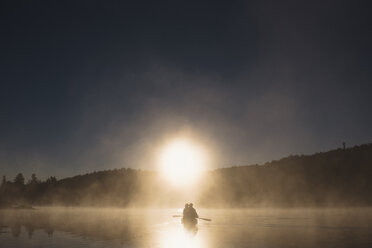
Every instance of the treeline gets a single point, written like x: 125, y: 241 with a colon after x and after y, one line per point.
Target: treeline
x: 340, y: 177
x: 113, y: 187
x: 19, y: 192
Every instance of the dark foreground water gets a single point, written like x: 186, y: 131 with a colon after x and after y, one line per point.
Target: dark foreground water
x: 77, y: 228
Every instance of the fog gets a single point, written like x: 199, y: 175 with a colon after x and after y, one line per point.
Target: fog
x: 239, y: 125
x: 320, y: 200
x: 100, y: 227
x: 337, y: 178
x: 271, y: 98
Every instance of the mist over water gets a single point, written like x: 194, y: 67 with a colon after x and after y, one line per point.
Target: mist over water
x: 114, y: 114
x: 113, y: 227
x: 322, y: 200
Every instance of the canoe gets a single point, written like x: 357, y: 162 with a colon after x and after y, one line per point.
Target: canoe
x: 189, y: 221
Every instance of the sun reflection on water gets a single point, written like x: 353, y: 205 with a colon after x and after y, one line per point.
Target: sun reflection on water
x: 180, y: 237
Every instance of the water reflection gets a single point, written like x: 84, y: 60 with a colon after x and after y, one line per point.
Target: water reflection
x: 97, y: 225
x: 181, y: 237
x: 133, y: 228
x: 191, y: 230
x: 77, y: 228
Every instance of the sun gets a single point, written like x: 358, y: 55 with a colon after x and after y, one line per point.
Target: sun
x: 182, y: 162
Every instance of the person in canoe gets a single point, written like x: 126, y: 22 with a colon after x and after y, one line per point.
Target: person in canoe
x: 185, y: 210
x: 189, y: 215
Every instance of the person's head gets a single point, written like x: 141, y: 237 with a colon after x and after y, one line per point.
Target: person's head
x: 186, y: 205
x: 190, y: 205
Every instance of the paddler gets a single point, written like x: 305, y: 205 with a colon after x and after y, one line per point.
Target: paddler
x: 186, y: 211
x: 192, y: 214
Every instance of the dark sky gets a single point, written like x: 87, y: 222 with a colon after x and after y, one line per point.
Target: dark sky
x: 94, y: 85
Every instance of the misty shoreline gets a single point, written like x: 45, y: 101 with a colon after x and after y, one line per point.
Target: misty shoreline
x: 338, y: 178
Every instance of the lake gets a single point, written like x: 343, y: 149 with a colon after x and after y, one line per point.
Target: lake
x: 107, y: 227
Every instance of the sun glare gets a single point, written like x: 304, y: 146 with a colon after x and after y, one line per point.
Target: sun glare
x: 180, y: 238
x: 182, y: 162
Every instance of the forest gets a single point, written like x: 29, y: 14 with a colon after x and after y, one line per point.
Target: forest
x: 336, y: 178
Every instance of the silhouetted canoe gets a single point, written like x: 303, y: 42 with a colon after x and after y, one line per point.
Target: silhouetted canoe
x: 189, y: 222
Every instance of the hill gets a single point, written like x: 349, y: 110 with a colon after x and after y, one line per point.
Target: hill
x: 336, y: 178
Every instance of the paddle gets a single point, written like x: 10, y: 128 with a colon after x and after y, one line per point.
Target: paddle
x: 197, y: 218
x: 205, y: 219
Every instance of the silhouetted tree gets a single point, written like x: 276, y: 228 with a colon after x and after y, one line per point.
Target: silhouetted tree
x: 3, y: 182
x: 34, y: 179
x: 51, y: 180
x: 19, y: 179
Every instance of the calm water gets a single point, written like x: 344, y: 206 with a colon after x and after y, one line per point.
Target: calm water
x: 76, y: 227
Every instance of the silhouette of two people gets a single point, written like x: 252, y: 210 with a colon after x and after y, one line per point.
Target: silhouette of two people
x: 189, y: 215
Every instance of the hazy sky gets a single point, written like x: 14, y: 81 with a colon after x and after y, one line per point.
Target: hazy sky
x: 94, y: 85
